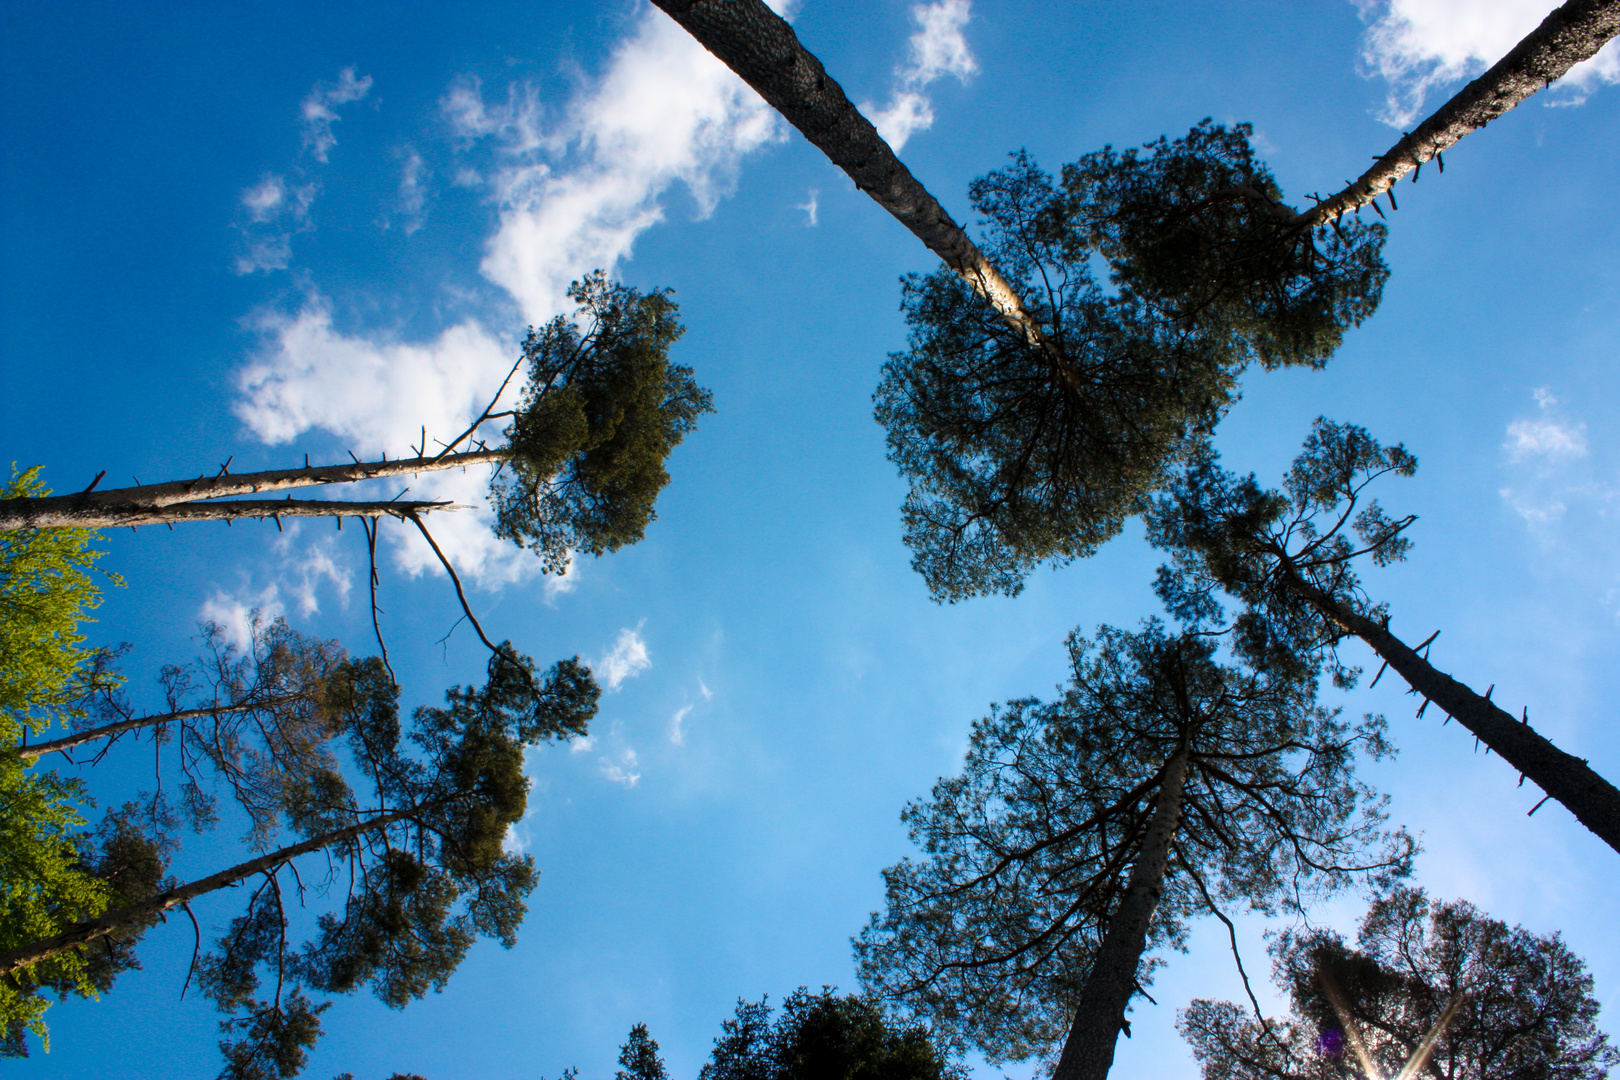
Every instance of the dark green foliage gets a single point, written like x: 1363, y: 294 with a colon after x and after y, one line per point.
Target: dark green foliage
x: 1197, y: 229
x: 602, y: 409
x: 823, y: 1037
x: 638, y: 1057
x: 421, y: 888
x: 1527, y: 1010
x: 1227, y: 534
x: 1027, y: 853
x: 131, y: 863
x: 1017, y: 455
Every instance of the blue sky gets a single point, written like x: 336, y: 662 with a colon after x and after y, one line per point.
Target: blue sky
x: 266, y: 230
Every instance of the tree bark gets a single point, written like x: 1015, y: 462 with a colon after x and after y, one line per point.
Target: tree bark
x: 1572, y: 33
x: 763, y: 50
x: 1563, y: 777
x: 85, y: 932
x: 134, y: 723
x: 1088, y: 1052
x: 140, y: 505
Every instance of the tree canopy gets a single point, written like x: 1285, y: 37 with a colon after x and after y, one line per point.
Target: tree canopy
x: 1287, y: 557
x: 823, y: 1036
x: 1437, y: 989
x: 1017, y: 455
x: 1234, y: 780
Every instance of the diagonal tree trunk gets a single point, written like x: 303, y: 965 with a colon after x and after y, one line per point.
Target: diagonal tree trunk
x: 134, y: 723
x: 150, y: 504
x: 85, y: 932
x: 1564, y: 777
x: 759, y: 45
x: 1572, y: 33
x: 1088, y: 1052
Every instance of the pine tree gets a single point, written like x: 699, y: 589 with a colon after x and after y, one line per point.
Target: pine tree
x: 1434, y: 989
x: 1287, y: 557
x: 1083, y: 834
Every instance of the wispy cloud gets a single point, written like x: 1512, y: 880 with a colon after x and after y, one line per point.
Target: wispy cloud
x: 936, y: 49
x: 677, y: 729
x: 1545, y: 455
x: 1417, y: 46
x: 413, y: 176
x: 574, y: 185
x: 625, y: 659
x: 320, y: 109
x: 810, y: 206
x: 622, y: 768
x: 276, y: 212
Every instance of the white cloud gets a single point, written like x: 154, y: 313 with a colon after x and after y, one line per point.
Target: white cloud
x: 1545, y: 435
x: 677, y: 731
x: 319, y: 109
x: 573, y: 192
x: 583, y: 745
x: 235, y: 612
x: 666, y: 111
x: 810, y: 207
x: 1419, y: 45
x: 263, y: 200
x: 623, y: 771
x: 413, y: 191
x: 625, y: 660
x: 936, y: 49
x: 1546, y: 455
x: 276, y: 213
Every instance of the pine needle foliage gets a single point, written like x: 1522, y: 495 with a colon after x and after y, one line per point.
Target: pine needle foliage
x: 1017, y: 454
x: 1525, y: 1004
x: 992, y: 934
x: 602, y: 408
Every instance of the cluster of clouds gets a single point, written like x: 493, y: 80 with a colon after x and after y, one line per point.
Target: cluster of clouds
x: 1418, y: 46
x: 573, y: 184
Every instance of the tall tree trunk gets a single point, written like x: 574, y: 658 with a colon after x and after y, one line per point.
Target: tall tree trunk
x: 135, y: 723
x: 85, y: 932
x: 1563, y: 777
x: 157, y: 503
x: 1572, y: 33
x: 757, y: 44
x: 1088, y: 1052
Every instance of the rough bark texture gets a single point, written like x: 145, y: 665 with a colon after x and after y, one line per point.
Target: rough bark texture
x: 762, y: 49
x: 1564, y: 777
x: 139, y: 505
x: 85, y: 932
x: 1569, y: 35
x: 1088, y: 1052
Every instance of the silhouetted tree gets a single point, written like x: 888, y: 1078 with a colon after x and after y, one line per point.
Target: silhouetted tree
x: 423, y: 853
x: 1434, y: 989
x: 1015, y: 457
x: 638, y: 1057
x: 1084, y: 833
x: 823, y: 1037
x: 1287, y: 557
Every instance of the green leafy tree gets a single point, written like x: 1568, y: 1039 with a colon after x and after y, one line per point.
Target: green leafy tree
x: 638, y: 1057
x: 823, y: 1036
x: 1287, y: 558
x: 1434, y: 989
x: 1083, y: 834
x: 424, y: 853
x: 50, y: 871
x: 47, y: 588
